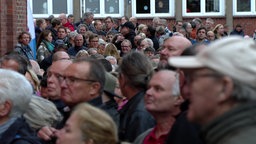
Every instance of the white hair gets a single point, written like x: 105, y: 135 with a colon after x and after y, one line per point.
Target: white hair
x: 149, y: 42
x: 15, y: 88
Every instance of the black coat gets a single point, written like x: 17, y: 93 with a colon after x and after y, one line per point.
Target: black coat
x: 183, y: 132
x: 19, y: 133
x: 134, y: 119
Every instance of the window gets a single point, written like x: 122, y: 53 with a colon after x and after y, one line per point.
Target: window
x: 153, y: 8
x: 44, y: 8
x: 244, y: 7
x: 103, y: 8
x: 203, y: 7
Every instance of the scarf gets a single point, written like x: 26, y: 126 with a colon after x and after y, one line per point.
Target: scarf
x: 49, y: 45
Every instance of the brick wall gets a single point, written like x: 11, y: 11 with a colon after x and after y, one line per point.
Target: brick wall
x: 13, y: 20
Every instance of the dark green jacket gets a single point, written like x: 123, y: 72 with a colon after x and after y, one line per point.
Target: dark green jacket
x: 237, y: 126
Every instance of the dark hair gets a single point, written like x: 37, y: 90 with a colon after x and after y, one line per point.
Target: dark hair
x: 107, y: 65
x: 62, y: 27
x: 42, y: 36
x: 87, y: 15
x: 125, y: 17
x: 21, y: 60
x: 139, y: 41
x: 70, y: 16
x: 43, y: 82
x: 55, y: 22
x: 93, y: 36
x: 116, y: 21
x: 96, y: 70
x: 137, y: 69
x: 238, y: 25
x: 151, y: 30
x: 201, y: 28
x: 193, y: 24
x: 111, y: 19
x: 39, y: 22
x: 21, y: 34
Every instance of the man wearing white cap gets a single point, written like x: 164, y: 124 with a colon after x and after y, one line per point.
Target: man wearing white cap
x: 222, y: 84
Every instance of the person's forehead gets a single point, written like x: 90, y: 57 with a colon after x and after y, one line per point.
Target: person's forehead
x: 80, y: 68
x: 59, y: 65
x: 210, y: 33
x: 10, y: 64
x: 137, y: 37
x: 165, y: 76
x: 202, y: 30
x: 171, y: 42
x: 125, y: 43
x: 108, y: 19
x: 188, y: 71
x: 82, y: 28
x: 79, y: 37
x: 61, y: 30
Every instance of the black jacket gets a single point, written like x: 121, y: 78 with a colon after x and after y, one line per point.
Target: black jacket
x: 130, y: 36
x: 19, y: 133
x: 184, y: 132
x: 134, y: 119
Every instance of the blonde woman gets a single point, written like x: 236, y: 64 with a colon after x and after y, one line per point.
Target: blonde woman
x: 33, y: 79
x: 219, y: 31
x: 111, y: 50
x: 142, y: 28
x: 88, y: 125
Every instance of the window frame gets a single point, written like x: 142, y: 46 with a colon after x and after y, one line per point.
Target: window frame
x: 203, y: 10
x: 153, y: 9
x: 102, y: 13
x: 50, y: 9
x: 249, y: 13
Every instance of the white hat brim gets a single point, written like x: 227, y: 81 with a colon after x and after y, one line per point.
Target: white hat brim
x: 189, y: 62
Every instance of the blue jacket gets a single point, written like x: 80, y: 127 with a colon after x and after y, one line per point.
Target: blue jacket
x: 19, y: 133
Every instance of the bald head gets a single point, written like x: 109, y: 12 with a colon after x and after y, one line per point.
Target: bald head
x: 60, y: 55
x: 173, y: 46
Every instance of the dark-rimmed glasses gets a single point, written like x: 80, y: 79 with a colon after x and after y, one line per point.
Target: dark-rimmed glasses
x: 71, y: 80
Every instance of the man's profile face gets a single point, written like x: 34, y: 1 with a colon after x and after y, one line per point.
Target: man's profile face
x: 158, y: 97
x: 204, y: 85
x: 75, y: 89
x: 170, y: 48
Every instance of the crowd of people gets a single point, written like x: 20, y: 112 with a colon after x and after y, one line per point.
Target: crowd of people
x: 110, y: 81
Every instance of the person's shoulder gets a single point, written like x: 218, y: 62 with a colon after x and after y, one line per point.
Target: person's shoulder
x: 244, y: 135
x: 141, y: 137
x: 26, y: 140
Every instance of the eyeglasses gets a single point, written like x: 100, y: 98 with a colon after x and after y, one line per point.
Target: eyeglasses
x: 193, y: 77
x: 71, y: 80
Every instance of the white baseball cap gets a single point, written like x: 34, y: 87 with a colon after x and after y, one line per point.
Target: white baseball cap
x: 233, y: 56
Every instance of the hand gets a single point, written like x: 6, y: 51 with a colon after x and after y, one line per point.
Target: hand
x: 47, y: 133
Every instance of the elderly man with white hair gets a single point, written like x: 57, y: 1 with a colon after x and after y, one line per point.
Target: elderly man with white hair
x: 16, y: 93
x: 222, y: 84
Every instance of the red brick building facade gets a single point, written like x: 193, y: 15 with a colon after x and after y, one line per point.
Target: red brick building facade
x: 13, y: 20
